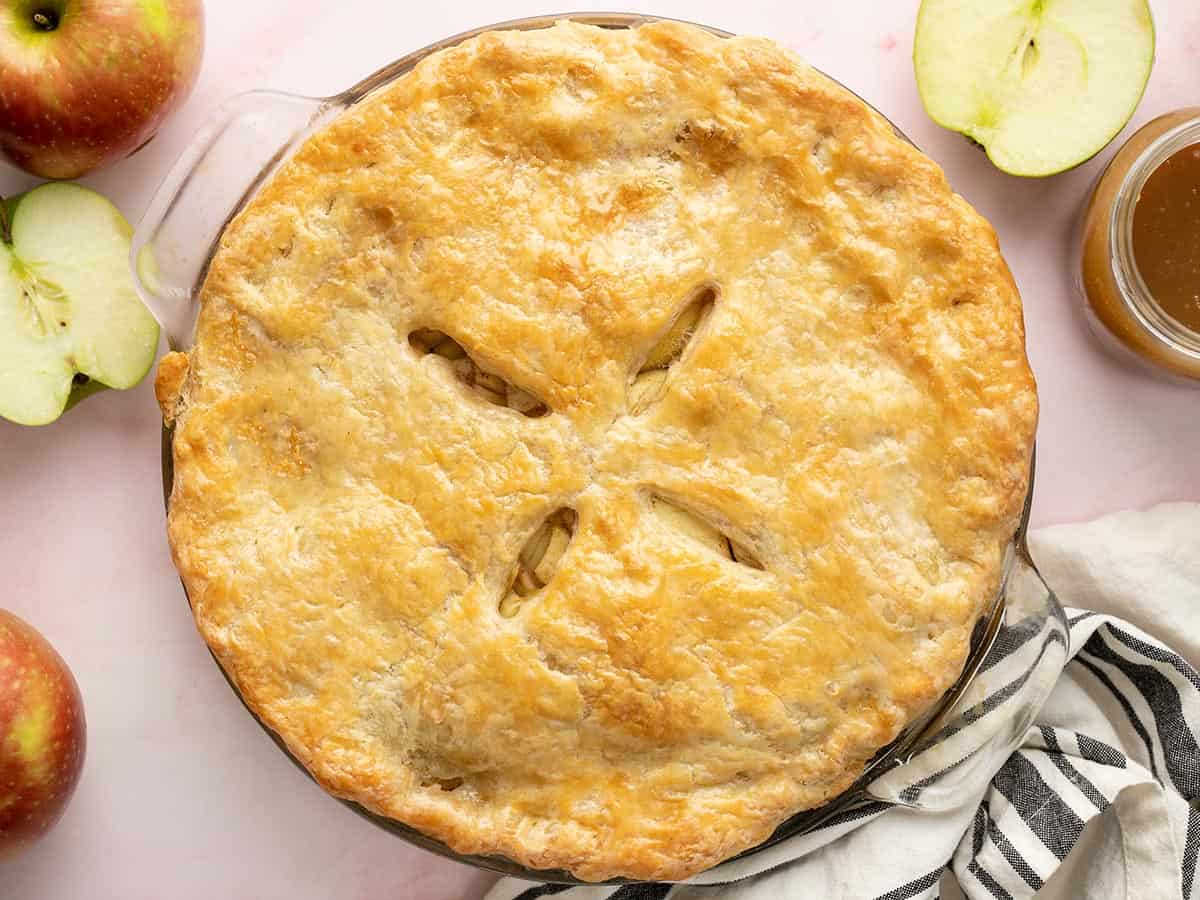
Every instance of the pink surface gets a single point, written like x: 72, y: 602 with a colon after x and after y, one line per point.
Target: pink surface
x: 183, y: 796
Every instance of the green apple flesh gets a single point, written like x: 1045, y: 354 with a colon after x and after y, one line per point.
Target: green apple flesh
x: 1042, y: 85
x: 67, y: 304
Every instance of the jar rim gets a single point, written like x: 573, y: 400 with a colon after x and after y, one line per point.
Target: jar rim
x: 1146, y: 310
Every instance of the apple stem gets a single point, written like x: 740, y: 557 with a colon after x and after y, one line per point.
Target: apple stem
x: 5, y: 225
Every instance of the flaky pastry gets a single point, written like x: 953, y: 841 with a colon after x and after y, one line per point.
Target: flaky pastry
x: 597, y: 444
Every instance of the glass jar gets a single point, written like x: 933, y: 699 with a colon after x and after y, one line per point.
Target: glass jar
x: 1120, y: 307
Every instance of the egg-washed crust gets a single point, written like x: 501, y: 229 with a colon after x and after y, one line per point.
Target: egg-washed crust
x: 856, y: 410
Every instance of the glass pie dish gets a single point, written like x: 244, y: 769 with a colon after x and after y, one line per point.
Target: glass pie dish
x: 232, y: 158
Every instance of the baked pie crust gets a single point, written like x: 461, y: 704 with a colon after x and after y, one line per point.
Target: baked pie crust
x: 597, y: 444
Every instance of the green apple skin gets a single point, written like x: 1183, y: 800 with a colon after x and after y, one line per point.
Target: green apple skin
x: 43, y: 735
x: 84, y: 83
x: 82, y: 387
x: 1041, y: 85
x: 68, y: 306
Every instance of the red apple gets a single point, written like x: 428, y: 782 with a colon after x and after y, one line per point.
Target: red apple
x: 42, y: 734
x: 86, y: 82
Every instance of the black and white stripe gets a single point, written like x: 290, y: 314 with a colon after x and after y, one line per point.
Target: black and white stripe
x: 1062, y: 762
x: 923, y: 888
x: 1191, y: 849
x: 641, y: 892
x: 542, y: 890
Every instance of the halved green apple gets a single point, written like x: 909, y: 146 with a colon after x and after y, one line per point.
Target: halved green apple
x: 1042, y: 85
x: 71, y: 322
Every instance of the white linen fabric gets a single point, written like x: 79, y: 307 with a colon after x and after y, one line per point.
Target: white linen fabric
x: 1102, y: 798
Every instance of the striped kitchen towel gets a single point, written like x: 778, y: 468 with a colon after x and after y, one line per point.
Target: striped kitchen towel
x: 1100, y: 800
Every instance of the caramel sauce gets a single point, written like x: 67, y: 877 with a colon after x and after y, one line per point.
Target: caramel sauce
x: 1137, y: 269
x: 1166, y: 236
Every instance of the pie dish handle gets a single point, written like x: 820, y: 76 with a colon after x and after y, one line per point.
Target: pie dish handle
x: 973, y: 739
x: 228, y: 159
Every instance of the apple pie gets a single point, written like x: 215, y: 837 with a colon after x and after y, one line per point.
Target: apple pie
x: 597, y: 444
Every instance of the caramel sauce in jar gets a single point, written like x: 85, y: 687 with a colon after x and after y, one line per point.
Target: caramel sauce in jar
x: 1166, y: 236
x: 1140, y: 247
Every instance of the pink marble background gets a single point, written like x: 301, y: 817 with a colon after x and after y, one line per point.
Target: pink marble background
x: 183, y: 796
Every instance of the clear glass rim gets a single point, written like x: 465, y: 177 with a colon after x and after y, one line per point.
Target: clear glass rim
x: 1161, y: 328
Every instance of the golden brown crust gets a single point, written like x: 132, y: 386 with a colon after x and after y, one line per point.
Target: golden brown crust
x: 168, y: 383
x: 855, y: 413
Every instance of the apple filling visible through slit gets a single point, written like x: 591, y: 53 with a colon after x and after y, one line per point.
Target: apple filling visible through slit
x: 488, y: 385
x: 538, y: 560
x: 651, y: 380
x: 702, y: 532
